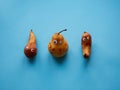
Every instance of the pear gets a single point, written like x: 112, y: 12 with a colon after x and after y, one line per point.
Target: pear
x: 86, y: 42
x: 58, y: 46
x: 30, y: 49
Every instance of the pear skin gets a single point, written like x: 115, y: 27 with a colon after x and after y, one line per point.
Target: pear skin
x: 86, y: 42
x: 58, y: 46
x: 30, y: 49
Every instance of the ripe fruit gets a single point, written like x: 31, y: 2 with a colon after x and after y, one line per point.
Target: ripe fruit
x: 86, y: 43
x: 58, y: 46
x: 30, y: 49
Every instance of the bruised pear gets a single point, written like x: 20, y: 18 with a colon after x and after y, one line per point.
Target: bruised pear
x: 86, y: 42
x: 58, y: 46
x: 30, y: 49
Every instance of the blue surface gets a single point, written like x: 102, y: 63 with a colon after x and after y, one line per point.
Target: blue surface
x: 101, y: 18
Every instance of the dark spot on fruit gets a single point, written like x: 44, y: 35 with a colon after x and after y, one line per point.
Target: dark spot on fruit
x: 60, y: 50
x: 53, y: 49
x: 86, y: 56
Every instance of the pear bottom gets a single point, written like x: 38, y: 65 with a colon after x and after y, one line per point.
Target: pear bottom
x: 30, y: 52
x: 86, y: 51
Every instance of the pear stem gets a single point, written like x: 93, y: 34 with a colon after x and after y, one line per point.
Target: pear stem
x: 62, y: 31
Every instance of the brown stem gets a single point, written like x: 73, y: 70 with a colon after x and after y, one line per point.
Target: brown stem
x: 62, y: 31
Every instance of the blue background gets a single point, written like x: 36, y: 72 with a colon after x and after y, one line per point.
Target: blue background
x: 101, y: 18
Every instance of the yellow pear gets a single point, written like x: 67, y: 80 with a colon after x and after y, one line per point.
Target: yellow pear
x: 58, y: 46
x: 30, y: 49
x: 86, y: 43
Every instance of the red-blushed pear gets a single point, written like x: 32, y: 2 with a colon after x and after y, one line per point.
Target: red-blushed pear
x: 30, y: 49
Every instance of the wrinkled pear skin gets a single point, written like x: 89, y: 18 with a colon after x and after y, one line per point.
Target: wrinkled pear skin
x: 30, y: 49
x: 60, y: 48
x: 86, y: 42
